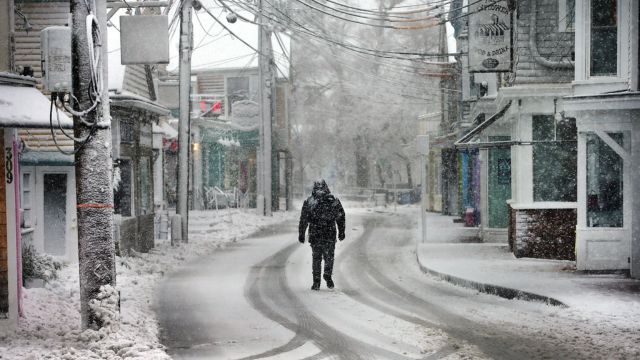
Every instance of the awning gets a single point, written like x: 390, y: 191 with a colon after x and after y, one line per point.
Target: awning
x: 465, y: 140
x: 26, y: 107
x: 46, y: 158
x: 127, y: 99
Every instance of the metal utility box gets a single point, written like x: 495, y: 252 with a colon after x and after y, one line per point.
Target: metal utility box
x: 55, y: 45
x: 144, y: 39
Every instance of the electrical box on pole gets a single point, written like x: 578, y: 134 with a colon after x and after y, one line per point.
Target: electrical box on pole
x: 55, y: 45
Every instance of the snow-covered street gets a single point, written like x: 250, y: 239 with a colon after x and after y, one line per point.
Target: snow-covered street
x: 251, y: 300
x: 240, y: 290
x: 50, y: 328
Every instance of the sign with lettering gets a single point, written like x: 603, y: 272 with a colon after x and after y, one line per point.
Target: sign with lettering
x: 489, y: 36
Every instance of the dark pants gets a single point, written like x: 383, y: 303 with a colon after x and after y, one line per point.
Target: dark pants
x: 322, y: 250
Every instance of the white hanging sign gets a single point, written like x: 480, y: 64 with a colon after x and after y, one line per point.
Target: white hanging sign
x: 489, y: 36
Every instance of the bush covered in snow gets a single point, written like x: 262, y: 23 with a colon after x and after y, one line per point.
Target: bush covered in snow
x: 38, y: 266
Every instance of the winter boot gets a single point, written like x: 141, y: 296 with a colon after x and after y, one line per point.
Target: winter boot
x: 316, y: 284
x: 329, y: 281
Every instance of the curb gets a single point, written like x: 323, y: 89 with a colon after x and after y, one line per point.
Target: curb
x: 497, y: 290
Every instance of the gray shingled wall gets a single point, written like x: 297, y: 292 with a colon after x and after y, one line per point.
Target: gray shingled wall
x: 552, y: 44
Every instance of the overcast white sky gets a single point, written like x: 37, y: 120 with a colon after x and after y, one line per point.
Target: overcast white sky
x: 214, y: 46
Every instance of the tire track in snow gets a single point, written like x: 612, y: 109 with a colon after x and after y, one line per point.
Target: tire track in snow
x: 268, y: 292
x: 389, y: 296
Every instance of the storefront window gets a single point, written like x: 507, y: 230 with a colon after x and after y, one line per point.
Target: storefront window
x: 604, y: 37
x: 127, y: 132
x: 554, y: 159
x: 604, y: 182
x: 122, y: 188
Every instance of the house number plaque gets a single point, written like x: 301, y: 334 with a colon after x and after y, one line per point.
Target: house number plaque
x: 8, y: 164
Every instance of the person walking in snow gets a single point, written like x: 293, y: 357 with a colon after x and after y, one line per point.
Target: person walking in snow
x: 321, y: 212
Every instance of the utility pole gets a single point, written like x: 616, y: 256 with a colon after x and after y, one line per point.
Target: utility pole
x: 186, y: 31
x: 94, y: 189
x: 266, y: 76
x: 423, y: 151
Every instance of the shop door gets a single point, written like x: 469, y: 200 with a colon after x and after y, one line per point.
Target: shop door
x: 499, y: 185
x: 55, y: 216
x: 55, y: 213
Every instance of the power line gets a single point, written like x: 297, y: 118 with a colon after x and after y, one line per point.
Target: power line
x: 241, y: 40
x: 369, y: 75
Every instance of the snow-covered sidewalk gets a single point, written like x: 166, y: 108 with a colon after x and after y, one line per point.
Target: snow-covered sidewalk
x: 50, y: 328
x: 492, y: 268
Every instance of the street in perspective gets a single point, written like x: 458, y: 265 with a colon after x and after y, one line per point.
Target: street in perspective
x: 319, y: 179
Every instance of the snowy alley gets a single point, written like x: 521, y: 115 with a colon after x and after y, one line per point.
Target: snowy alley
x: 240, y: 290
x: 251, y: 300
x: 319, y: 179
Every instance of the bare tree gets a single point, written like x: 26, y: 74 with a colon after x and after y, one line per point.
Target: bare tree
x: 356, y: 113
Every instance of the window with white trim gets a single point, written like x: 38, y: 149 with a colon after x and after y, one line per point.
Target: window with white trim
x: 123, y: 187
x: 26, y: 200
x: 604, y: 38
x: 555, y: 151
x: 605, y: 170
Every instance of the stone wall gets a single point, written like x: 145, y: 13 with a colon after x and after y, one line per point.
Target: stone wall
x: 543, y: 233
x: 552, y: 44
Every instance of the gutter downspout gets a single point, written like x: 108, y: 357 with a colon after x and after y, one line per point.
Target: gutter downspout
x: 534, y: 46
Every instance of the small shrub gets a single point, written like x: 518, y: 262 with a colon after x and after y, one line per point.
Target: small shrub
x: 38, y: 266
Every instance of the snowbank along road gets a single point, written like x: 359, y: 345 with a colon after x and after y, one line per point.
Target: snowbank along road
x: 252, y: 301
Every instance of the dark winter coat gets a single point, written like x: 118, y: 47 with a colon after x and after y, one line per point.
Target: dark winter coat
x: 321, y: 212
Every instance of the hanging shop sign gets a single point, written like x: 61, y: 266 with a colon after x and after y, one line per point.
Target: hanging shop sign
x: 489, y: 36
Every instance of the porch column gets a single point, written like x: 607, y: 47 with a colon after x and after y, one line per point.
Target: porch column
x: 196, y: 148
x: 484, y: 192
x: 635, y: 207
x: 522, y: 161
x: 14, y: 252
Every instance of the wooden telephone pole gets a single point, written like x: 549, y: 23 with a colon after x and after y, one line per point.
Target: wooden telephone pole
x: 184, y: 141
x: 94, y: 189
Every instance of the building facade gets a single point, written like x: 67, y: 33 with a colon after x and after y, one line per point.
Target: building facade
x: 525, y: 150
x: 606, y: 106
x: 225, y: 124
x: 562, y: 127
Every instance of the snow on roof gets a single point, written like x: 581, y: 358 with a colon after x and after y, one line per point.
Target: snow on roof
x: 126, y: 98
x: 42, y: 158
x: 166, y: 129
x: 26, y: 107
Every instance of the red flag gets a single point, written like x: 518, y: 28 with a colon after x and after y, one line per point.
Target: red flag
x: 217, y: 107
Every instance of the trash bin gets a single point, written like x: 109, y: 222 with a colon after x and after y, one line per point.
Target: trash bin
x: 380, y: 199
x: 469, y: 217
x: 404, y: 198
